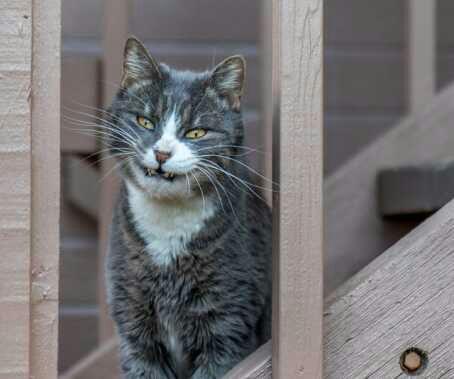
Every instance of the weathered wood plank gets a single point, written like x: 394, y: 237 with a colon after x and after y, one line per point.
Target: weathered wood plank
x: 403, y: 299
x: 15, y: 186
x: 297, y: 152
x: 350, y: 193
x: 421, y: 52
x: 45, y: 177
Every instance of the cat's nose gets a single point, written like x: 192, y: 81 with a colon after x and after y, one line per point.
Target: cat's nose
x: 162, y: 156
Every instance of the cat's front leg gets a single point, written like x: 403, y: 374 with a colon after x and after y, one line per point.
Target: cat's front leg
x: 216, y: 366
x: 137, y: 363
x: 221, y: 352
x: 210, y: 372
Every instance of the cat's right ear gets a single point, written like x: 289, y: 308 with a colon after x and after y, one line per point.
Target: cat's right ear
x: 138, y: 64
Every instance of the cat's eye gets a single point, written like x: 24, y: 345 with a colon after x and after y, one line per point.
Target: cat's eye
x: 145, y: 122
x: 195, y: 133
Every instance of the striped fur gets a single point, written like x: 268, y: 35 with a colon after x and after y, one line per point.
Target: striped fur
x: 189, y: 264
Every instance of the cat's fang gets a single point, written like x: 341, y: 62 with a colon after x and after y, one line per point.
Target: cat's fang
x: 169, y: 175
x: 151, y: 172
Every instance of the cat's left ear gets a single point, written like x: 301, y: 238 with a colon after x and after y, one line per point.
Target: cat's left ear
x: 138, y: 64
x: 228, y: 78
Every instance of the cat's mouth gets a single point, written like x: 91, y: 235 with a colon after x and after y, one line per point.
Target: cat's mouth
x: 149, y: 172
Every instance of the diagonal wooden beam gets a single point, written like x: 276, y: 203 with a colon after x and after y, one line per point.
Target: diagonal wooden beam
x: 402, y: 300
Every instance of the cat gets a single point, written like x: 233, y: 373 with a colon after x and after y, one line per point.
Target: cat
x: 189, y: 262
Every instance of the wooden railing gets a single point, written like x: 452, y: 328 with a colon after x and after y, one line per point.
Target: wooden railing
x: 401, y: 301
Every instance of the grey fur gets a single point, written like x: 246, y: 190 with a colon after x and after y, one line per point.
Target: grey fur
x: 209, y: 308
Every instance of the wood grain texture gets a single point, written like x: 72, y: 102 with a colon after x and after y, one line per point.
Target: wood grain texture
x: 421, y: 52
x: 297, y: 151
x: 403, y: 299
x: 355, y: 233
x: 15, y: 186
x: 45, y: 188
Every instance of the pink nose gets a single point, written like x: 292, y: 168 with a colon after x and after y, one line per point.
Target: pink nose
x: 162, y: 156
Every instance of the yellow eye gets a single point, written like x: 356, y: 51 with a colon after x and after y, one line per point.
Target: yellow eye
x: 145, y: 122
x: 195, y: 133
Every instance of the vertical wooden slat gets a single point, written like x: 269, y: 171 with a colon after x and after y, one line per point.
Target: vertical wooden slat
x: 421, y: 52
x: 297, y: 211
x: 15, y: 187
x: 45, y: 188
x: 116, y: 20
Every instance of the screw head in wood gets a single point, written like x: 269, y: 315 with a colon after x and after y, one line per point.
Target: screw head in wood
x: 413, y: 361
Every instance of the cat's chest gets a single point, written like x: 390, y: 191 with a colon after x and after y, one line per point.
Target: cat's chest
x: 168, y: 227
x: 180, y: 297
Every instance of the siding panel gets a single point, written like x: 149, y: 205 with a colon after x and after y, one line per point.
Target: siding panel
x: 365, y: 22
x: 360, y: 81
x: 347, y: 135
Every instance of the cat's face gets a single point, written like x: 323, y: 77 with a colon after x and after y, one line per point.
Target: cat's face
x: 175, y: 132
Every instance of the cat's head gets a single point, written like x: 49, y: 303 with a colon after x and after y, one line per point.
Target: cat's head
x: 174, y: 131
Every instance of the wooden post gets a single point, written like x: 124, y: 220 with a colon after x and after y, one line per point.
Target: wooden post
x: 29, y: 187
x: 45, y: 177
x: 15, y: 186
x: 297, y: 211
x: 421, y: 52
x: 116, y: 19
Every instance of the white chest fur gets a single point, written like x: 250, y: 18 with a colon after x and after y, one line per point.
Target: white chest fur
x: 167, y: 226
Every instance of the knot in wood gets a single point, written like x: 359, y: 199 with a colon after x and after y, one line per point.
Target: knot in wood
x: 413, y: 361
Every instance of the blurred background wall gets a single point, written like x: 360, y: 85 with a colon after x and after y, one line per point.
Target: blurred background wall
x: 365, y: 95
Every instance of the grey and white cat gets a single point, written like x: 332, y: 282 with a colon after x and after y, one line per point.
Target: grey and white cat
x: 189, y: 266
